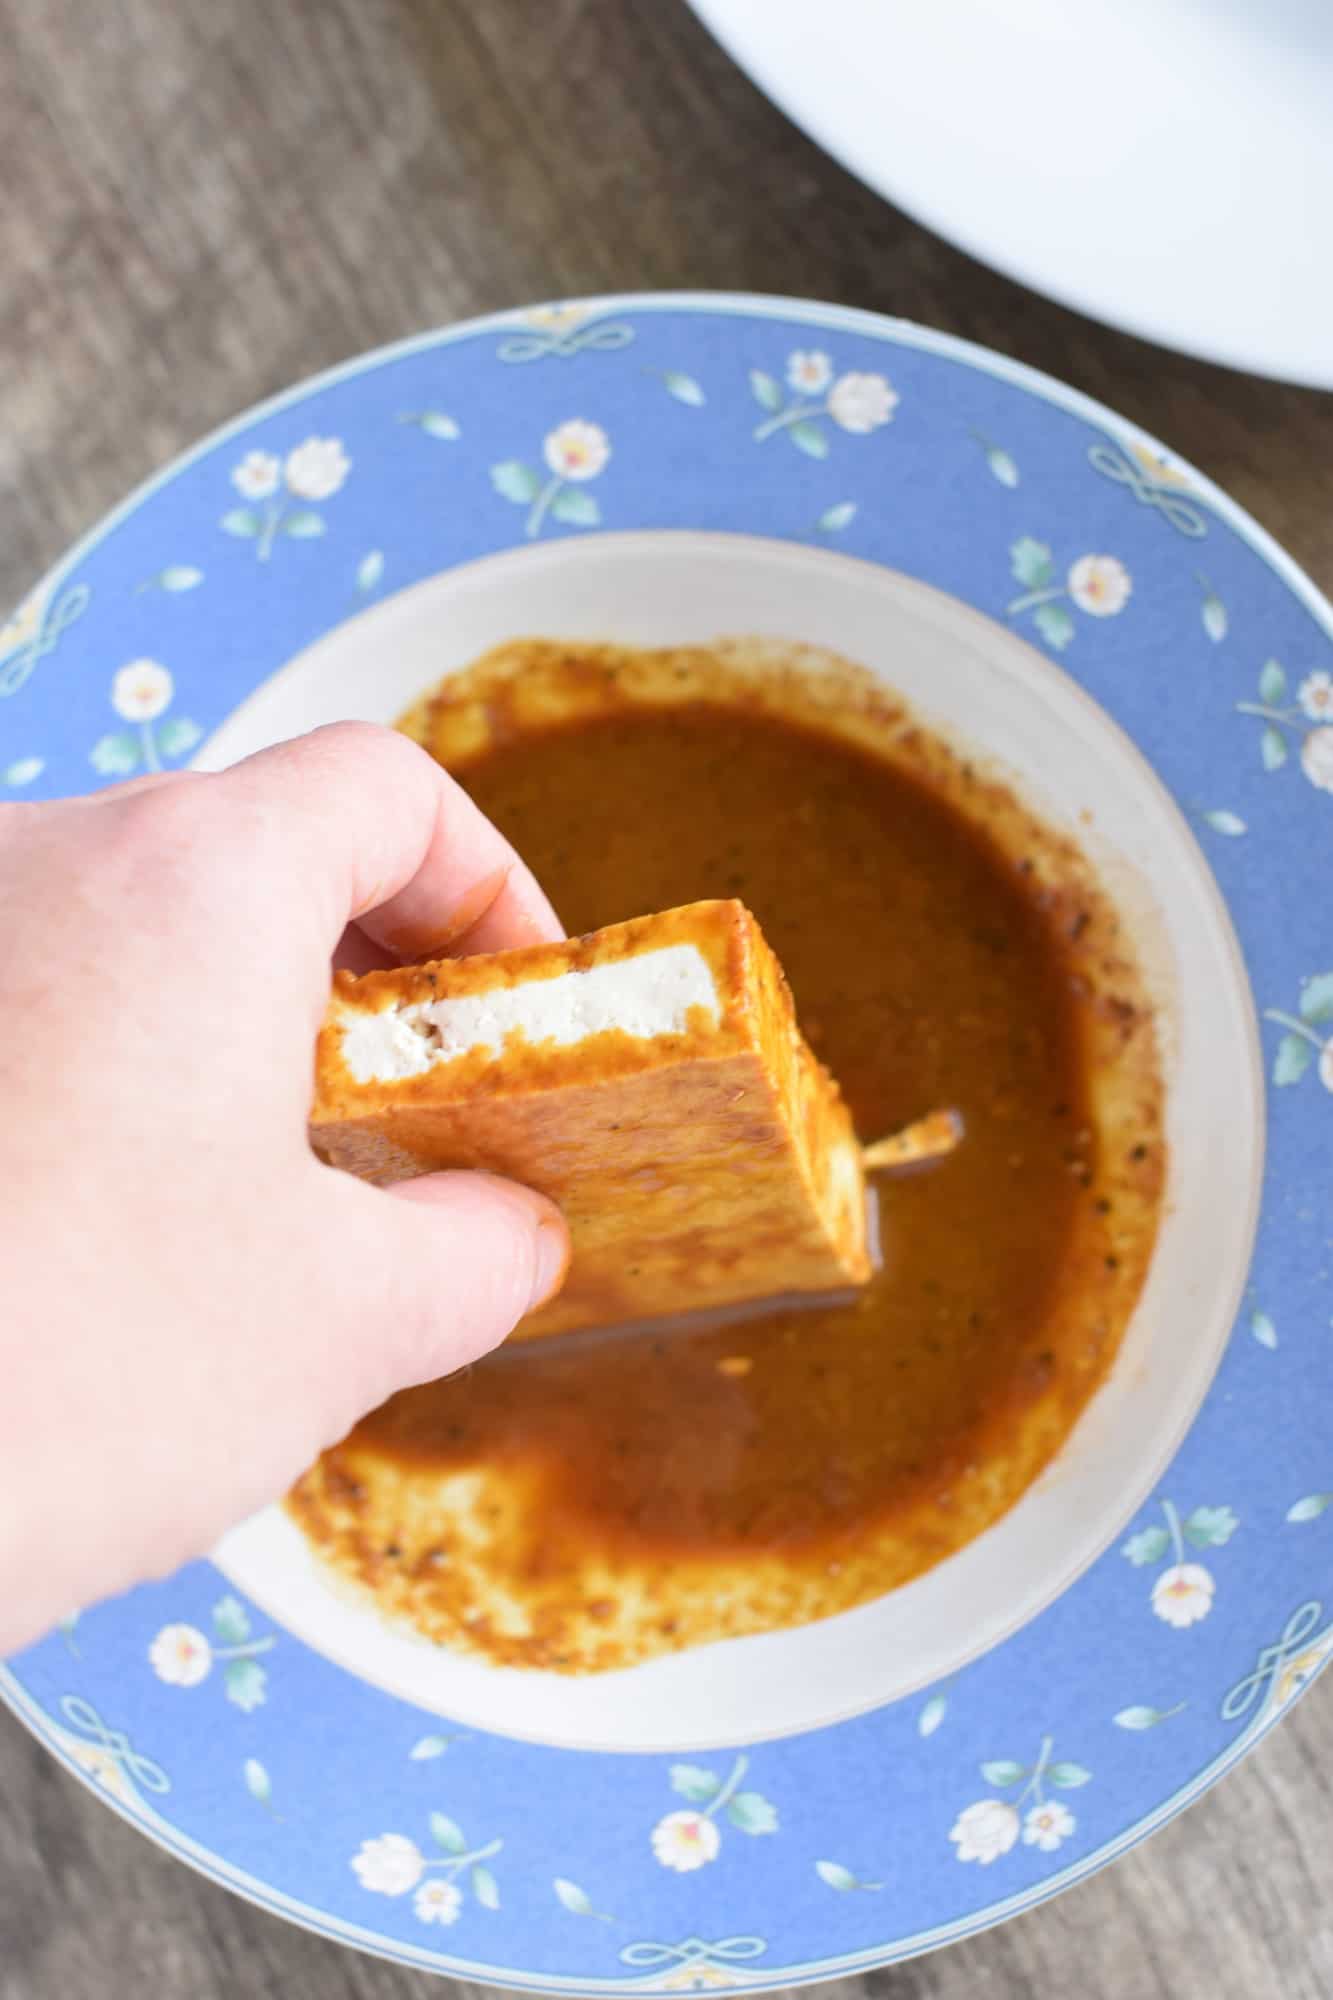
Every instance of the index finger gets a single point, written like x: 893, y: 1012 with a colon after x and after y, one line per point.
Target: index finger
x: 389, y: 841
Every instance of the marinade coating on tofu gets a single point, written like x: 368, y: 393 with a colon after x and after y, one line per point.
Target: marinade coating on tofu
x: 650, y: 1078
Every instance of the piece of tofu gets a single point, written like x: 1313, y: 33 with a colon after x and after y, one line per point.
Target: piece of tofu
x: 650, y: 1078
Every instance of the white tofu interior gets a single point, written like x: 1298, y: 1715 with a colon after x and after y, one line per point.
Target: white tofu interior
x: 646, y: 996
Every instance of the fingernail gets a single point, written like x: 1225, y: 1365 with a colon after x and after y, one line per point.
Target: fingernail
x: 552, y: 1262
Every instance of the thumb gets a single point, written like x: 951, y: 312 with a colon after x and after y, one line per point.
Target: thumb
x: 436, y: 1271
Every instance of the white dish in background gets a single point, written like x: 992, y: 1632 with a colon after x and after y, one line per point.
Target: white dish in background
x: 1164, y: 165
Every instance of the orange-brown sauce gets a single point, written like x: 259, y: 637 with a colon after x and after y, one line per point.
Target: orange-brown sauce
x: 855, y: 1444
x: 923, y: 975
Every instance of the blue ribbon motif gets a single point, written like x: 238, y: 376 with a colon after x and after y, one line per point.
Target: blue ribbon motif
x: 1122, y: 471
x: 83, y: 1717
x: 60, y: 615
x: 1295, y: 1639
x: 694, y: 1951
x: 602, y: 337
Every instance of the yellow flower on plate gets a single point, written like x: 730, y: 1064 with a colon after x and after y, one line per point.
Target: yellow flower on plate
x: 556, y: 319
x: 23, y: 626
x: 1158, y: 469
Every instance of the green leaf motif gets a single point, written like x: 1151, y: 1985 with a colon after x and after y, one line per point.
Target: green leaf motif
x: 1148, y: 1546
x: 1030, y: 562
x: 931, y: 1716
x: 437, y: 425
x: 1003, y: 1772
x: 835, y: 1875
x: 177, y: 577
x: 752, y: 1813
x: 1293, y: 1058
x: 1272, y: 683
x: 246, y: 1683
x: 515, y: 481
x: 1214, y: 615
x: 575, y: 1900
x: 305, y: 525
x: 1316, y: 1001
x: 834, y: 519
x: 177, y: 736
x: 1263, y: 1329
x: 231, y: 1621
x: 1310, y: 1508
x: 427, y: 1747
x: 447, y: 1833
x: 1228, y: 823
x: 765, y: 390
x: 1002, y: 466
x: 1139, y: 1718
x: 809, y: 439
x: 1273, y: 747
x: 685, y: 389
x: 22, y: 771
x: 485, y: 1888
x: 577, y: 508
x: 694, y: 1783
x: 241, y: 521
x: 370, y: 569
x: 1210, y: 1527
x: 1055, y: 625
x: 114, y: 756
x: 257, y: 1781
x: 1068, y: 1776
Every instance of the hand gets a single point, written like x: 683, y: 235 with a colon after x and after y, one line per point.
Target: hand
x: 194, y: 1306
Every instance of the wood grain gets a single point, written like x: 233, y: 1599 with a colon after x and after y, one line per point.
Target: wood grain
x: 204, y: 200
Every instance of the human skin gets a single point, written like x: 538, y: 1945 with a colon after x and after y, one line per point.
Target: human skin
x: 195, y: 1306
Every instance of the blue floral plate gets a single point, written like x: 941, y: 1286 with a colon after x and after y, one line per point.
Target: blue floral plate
x: 499, y: 1835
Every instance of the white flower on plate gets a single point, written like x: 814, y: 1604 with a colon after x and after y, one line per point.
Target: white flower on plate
x: 437, y: 1901
x: 390, y: 1865
x: 862, y: 402
x: 1315, y: 695
x: 1317, y: 757
x: 685, y: 1840
x: 141, y: 691
x: 577, y: 450
x: 985, y: 1831
x: 1183, y: 1594
x: 1045, y: 1826
x: 809, y: 372
x: 1326, y: 1065
x: 180, y: 1655
x: 22, y: 626
x: 316, y: 469
x: 1099, y: 585
x: 257, y: 475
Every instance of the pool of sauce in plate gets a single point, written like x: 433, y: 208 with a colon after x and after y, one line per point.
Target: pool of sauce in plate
x: 927, y: 970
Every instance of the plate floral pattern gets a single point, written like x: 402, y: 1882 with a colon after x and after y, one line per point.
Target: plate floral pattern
x: 194, y: 1714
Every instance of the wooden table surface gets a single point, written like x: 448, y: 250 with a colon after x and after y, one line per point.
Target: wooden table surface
x: 204, y: 200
